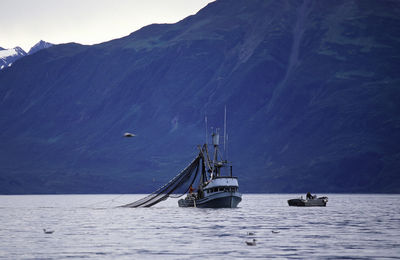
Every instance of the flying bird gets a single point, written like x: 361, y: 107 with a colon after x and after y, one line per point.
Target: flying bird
x: 129, y: 135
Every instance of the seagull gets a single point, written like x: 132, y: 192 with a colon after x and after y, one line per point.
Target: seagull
x: 275, y: 232
x: 251, y: 243
x: 129, y: 135
x: 48, y: 231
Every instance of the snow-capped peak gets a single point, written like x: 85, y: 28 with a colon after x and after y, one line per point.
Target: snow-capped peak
x: 17, y: 51
x: 8, y: 56
x: 12, y: 52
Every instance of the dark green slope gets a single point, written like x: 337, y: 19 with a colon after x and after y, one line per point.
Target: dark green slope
x: 344, y: 87
x: 311, y: 89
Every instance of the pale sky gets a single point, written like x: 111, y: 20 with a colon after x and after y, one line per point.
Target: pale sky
x: 24, y: 22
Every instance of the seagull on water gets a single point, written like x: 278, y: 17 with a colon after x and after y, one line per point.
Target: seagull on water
x: 48, y: 231
x: 251, y: 243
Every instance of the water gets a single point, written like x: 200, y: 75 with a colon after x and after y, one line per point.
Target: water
x: 87, y: 226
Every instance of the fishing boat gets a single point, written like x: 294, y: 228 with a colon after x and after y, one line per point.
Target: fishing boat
x: 216, y: 186
x: 214, y: 189
x: 309, y: 201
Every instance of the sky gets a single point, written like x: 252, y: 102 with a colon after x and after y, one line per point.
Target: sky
x: 23, y: 23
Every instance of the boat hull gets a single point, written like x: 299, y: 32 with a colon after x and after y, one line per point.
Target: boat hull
x: 218, y: 200
x: 320, y: 202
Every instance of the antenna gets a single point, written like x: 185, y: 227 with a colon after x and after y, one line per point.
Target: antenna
x: 224, y: 128
x: 205, y: 119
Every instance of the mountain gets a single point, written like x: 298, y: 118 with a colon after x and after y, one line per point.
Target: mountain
x: 8, y: 56
x: 39, y: 46
x: 311, y: 90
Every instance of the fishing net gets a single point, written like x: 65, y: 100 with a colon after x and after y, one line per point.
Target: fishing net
x: 187, y: 176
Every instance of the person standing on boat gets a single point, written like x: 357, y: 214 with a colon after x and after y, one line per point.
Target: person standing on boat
x: 309, y: 196
x: 191, y: 189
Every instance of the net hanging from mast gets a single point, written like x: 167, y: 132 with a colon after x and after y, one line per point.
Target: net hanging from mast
x: 164, y: 192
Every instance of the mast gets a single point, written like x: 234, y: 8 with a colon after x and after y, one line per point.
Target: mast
x: 205, y: 119
x: 215, y: 138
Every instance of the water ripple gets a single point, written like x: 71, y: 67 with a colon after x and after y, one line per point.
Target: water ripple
x: 350, y: 227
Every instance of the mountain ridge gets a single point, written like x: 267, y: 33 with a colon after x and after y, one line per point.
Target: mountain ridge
x: 9, y: 56
x: 39, y: 46
x: 309, y: 87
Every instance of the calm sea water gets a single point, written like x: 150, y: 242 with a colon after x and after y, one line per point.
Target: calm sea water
x: 88, y: 226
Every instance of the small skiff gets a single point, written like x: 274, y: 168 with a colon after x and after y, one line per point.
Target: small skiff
x: 309, y: 202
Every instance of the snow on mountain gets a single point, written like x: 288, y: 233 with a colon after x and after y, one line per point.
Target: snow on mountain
x: 8, y: 56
